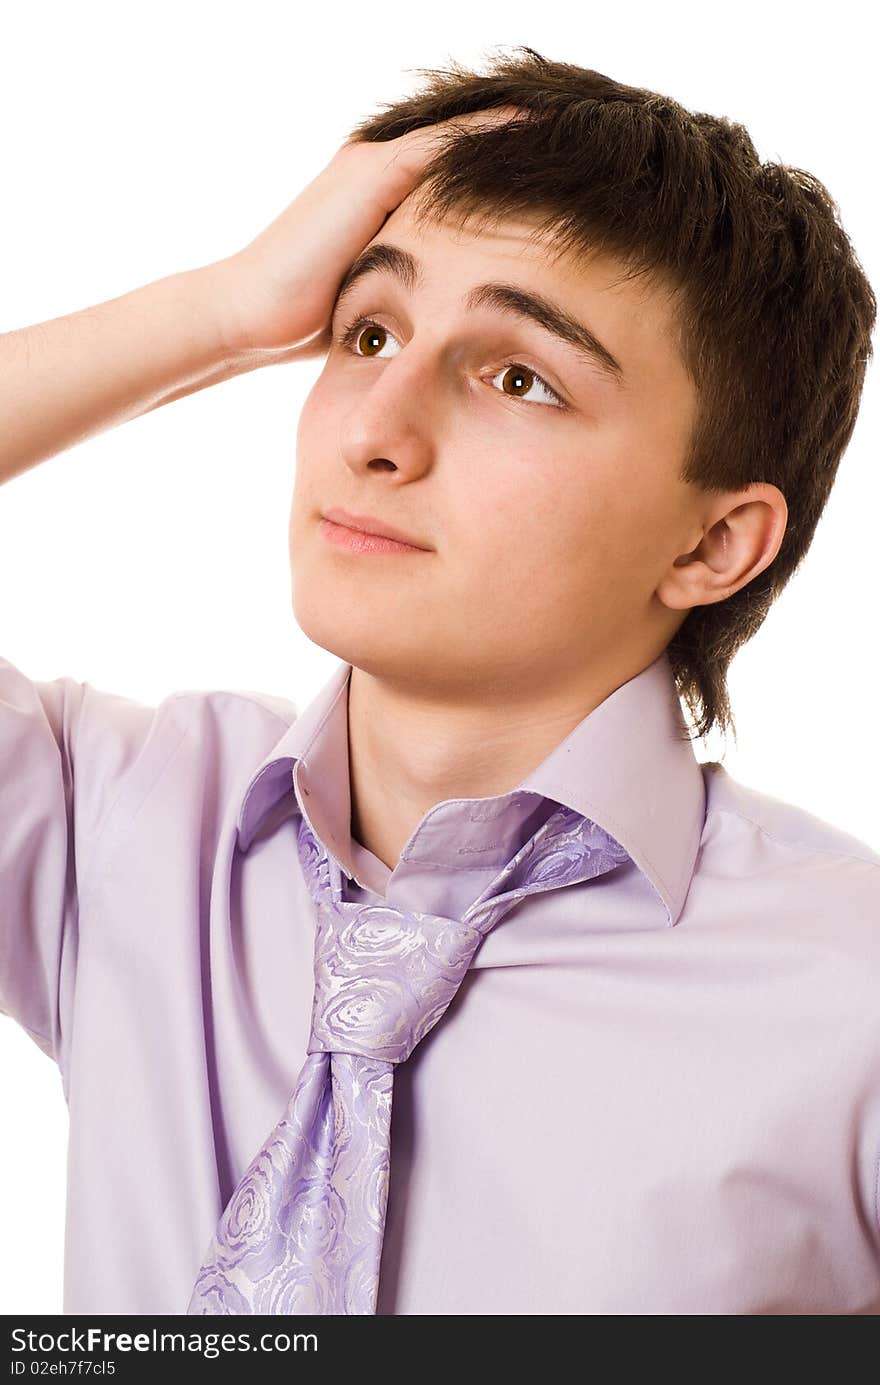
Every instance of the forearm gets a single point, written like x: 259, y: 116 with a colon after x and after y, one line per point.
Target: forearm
x: 64, y: 380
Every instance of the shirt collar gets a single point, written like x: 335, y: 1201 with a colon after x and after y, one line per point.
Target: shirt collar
x: 627, y: 766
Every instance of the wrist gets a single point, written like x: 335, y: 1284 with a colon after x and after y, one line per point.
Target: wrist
x: 215, y: 290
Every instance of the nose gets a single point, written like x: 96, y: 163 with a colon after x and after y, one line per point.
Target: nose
x: 392, y: 423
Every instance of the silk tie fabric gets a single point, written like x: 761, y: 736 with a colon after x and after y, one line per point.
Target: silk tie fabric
x: 302, y: 1232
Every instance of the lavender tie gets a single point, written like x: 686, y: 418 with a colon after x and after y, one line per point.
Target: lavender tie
x: 302, y: 1232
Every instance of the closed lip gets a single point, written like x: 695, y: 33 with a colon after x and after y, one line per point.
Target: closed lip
x: 365, y: 525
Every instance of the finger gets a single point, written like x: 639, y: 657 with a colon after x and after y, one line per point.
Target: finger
x: 496, y: 115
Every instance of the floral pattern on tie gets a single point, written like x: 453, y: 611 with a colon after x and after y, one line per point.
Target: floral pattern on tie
x: 302, y: 1232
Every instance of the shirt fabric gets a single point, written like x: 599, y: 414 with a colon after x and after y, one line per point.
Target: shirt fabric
x: 656, y: 1092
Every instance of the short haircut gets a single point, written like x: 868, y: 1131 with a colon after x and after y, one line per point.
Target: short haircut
x: 773, y: 312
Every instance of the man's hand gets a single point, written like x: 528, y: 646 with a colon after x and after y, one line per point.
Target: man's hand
x: 280, y: 289
x: 64, y: 380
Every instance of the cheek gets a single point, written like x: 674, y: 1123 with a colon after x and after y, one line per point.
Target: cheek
x: 528, y: 531
x: 548, y: 536
x: 315, y: 448
x: 544, y: 505
x: 311, y: 429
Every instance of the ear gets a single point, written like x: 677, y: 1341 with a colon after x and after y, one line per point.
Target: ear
x: 742, y: 532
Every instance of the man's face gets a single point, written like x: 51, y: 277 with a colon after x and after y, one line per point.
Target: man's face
x: 549, y: 527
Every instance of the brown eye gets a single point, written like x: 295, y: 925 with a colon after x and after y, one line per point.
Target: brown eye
x: 371, y: 335
x: 522, y: 380
x: 363, y: 331
x: 520, y: 377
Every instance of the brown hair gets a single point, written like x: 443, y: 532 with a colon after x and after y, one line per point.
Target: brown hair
x: 773, y: 311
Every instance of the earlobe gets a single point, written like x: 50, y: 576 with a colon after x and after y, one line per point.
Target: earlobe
x: 692, y: 582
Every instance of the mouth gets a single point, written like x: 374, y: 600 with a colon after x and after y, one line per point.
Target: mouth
x: 363, y: 534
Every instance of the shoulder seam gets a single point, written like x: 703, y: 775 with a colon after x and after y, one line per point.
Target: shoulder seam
x: 784, y: 841
x: 228, y: 692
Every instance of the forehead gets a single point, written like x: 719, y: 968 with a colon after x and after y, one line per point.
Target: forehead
x: 635, y: 316
x: 446, y: 243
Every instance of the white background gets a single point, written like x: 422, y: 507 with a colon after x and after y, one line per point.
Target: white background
x: 140, y: 141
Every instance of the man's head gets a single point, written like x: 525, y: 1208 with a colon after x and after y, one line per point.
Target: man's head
x: 653, y: 481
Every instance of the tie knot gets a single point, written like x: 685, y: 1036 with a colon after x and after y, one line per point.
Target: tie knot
x: 384, y: 976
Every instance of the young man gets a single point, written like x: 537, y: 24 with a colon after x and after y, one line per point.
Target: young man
x: 620, y: 1008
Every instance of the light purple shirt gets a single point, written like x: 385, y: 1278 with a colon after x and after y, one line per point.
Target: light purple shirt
x: 657, y: 1092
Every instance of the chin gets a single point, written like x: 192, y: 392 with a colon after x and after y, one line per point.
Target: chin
x: 387, y: 632
x: 354, y: 636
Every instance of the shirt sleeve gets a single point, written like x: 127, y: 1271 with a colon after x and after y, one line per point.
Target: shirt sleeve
x: 64, y: 748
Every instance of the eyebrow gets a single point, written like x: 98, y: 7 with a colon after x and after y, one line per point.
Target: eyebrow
x: 505, y: 298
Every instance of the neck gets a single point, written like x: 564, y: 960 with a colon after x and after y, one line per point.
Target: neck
x: 409, y: 752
